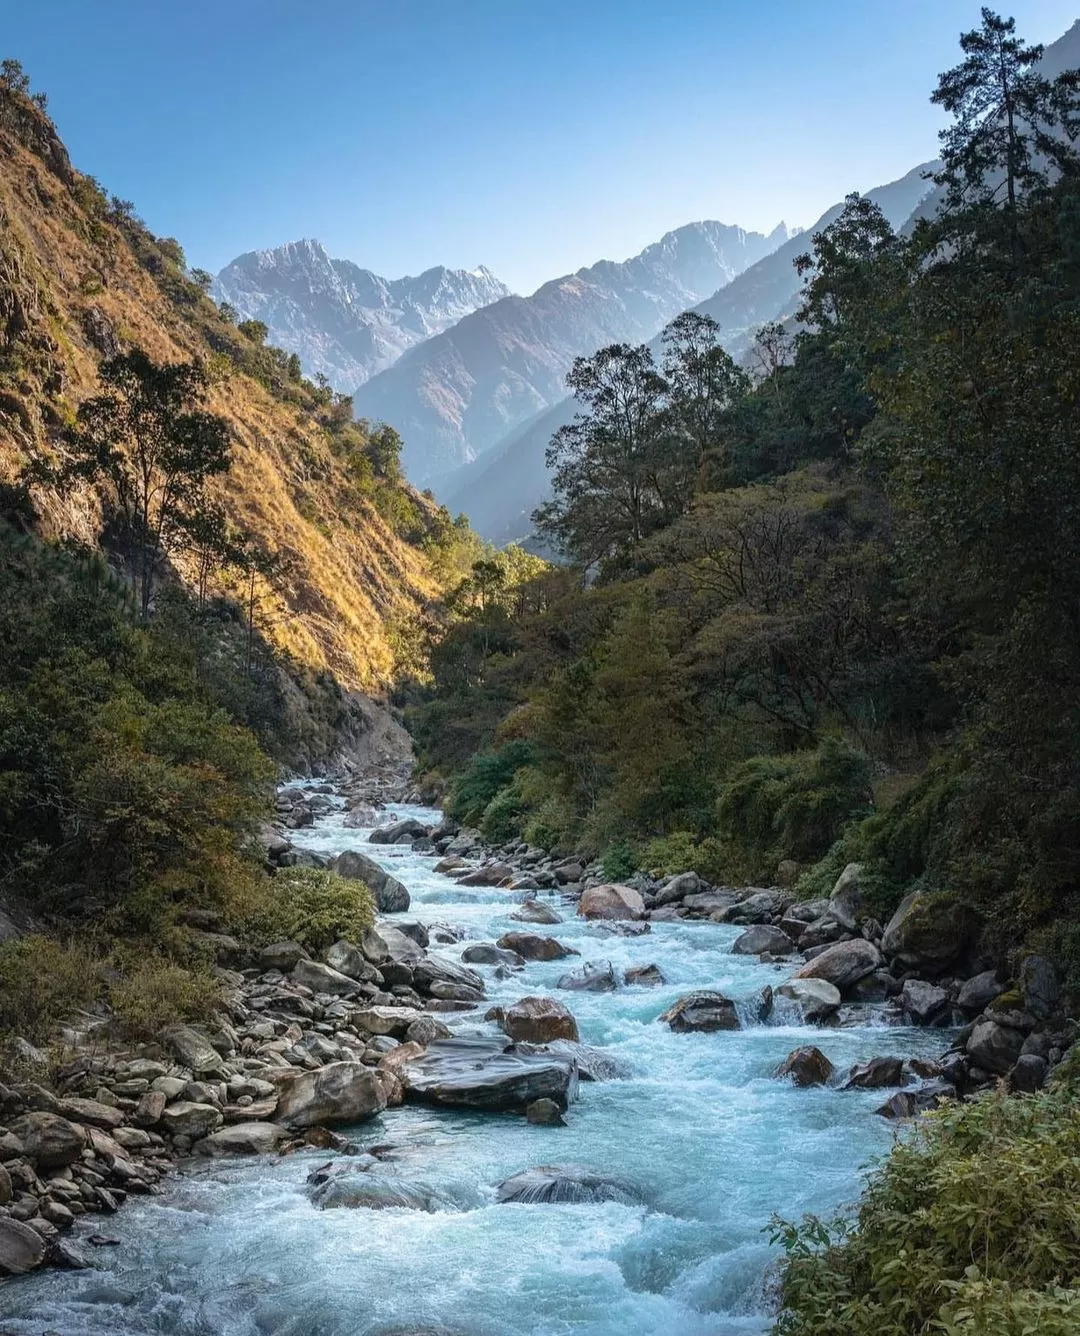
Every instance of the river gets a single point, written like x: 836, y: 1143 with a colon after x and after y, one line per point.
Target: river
x: 713, y: 1142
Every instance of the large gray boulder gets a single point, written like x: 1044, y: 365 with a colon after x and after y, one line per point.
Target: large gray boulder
x: 391, y: 896
x: 817, y: 998
x: 349, y: 960
x: 703, y: 1010
x: 536, y: 911
x: 1039, y: 987
x: 488, y: 1074
x: 22, y: 1249
x: 979, y: 991
x: 763, y: 938
x: 993, y: 1047
x: 592, y: 977
x: 929, y: 932
x: 193, y: 1049
x: 188, y: 1118
x: 845, y: 903
x: 760, y: 906
x: 487, y: 953
x: 340, y: 1092
x: 399, y: 831
x: 924, y: 1003
x: 842, y: 965
x: 679, y: 887
x: 323, y: 979
x: 48, y: 1139
x: 242, y: 1139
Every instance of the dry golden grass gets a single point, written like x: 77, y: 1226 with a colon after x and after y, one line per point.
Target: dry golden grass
x: 348, y: 579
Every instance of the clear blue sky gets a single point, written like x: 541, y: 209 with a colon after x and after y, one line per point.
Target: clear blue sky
x: 534, y: 136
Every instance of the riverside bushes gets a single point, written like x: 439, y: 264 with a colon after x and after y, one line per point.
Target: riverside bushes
x: 309, y: 906
x: 971, y: 1227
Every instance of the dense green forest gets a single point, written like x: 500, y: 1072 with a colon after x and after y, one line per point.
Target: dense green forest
x: 825, y: 608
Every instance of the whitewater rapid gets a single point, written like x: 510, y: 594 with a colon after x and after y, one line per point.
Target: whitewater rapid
x: 713, y: 1142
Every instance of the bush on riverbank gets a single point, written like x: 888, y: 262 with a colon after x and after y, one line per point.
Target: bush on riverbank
x: 306, y: 905
x: 971, y: 1227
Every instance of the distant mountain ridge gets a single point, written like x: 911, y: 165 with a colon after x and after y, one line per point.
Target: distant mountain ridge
x: 343, y: 321
x: 500, y: 490
x: 460, y: 392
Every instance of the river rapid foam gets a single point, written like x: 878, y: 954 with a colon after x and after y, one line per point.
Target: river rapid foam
x: 713, y: 1144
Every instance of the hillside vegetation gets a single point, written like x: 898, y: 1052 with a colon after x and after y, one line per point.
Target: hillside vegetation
x: 828, y: 613
x: 81, y: 278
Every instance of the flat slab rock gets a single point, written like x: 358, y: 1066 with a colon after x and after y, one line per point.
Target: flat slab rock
x: 567, y: 1184
x: 490, y: 1074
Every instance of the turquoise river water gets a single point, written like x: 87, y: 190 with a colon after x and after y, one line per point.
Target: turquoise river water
x: 713, y: 1142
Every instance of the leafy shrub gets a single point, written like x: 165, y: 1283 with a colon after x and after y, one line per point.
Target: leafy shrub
x: 502, y: 819
x: 795, y: 806
x: 971, y: 1227
x: 152, y: 992
x: 42, y: 982
x: 682, y: 851
x: 619, y: 861
x: 309, y: 906
x: 482, y: 779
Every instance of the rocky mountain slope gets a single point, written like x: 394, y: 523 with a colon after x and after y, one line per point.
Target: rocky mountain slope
x: 346, y: 322
x: 81, y: 278
x: 456, y: 395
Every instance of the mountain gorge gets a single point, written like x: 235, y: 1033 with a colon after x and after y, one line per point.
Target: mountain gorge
x: 457, y: 394
x: 344, y: 322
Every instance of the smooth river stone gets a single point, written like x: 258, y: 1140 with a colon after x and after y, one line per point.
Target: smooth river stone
x: 488, y: 1074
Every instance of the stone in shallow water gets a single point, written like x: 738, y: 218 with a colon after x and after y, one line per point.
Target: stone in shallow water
x: 531, y: 946
x: 545, y: 1113
x: 593, y: 977
x: 535, y: 911
x: 491, y: 1074
x: 565, y: 1184
x: 702, y: 1010
x: 817, y: 997
x: 538, y: 1020
x: 806, y: 1066
x: 340, y: 1092
x: 644, y: 976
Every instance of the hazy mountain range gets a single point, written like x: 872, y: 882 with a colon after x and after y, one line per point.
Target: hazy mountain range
x: 474, y: 377
x: 346, y: 322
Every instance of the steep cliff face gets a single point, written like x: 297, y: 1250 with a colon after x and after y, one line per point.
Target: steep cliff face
x: 81, y: 278
x: 343, y: 321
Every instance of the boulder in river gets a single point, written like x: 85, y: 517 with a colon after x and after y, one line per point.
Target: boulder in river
x: 399, y: 831
x: 842, y: 965
x: 592, y: 977
x: 817, y: 998
x: 760, y: 938
x: 760, y: 906
x: 544, y: 1113
x: 532, y: 947
x: 489, y: 1074
x: 391, y: 897
x: 538, y: 1020
x: 611, y: 901
x: 566, y: 1184
x: 487, y: 953
x: 493, y: 874
x: 702, y: 1010
x: 807, y: 1066
x: 242, y: 1139
x: 536, y: 911
x: 876, y: 1074
x: 644, y: 976
x: 340, y: 1092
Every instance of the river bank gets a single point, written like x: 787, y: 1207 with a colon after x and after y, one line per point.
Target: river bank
x: 686, y: 1151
